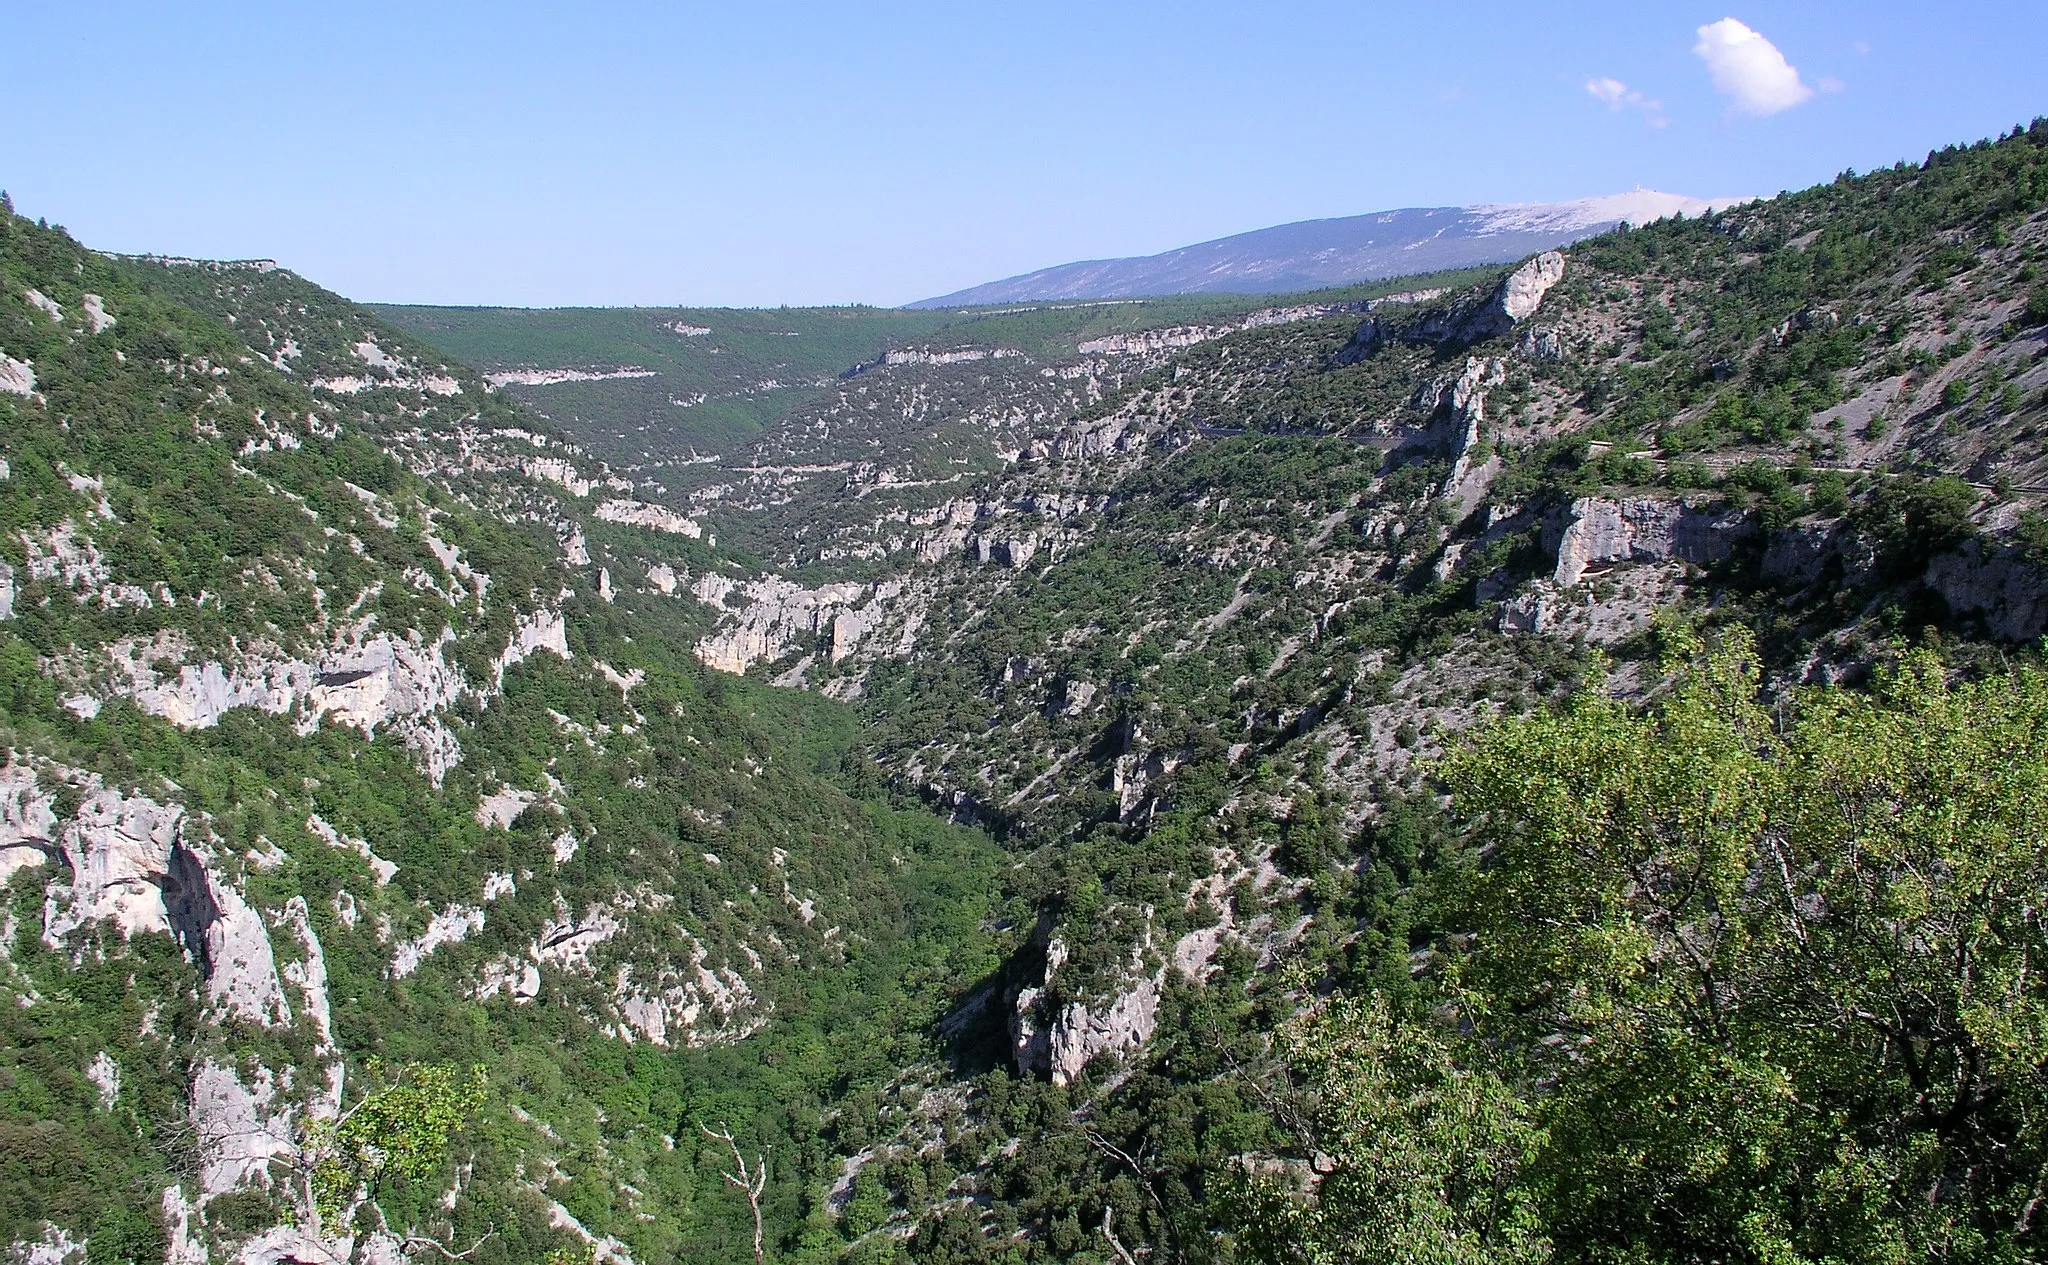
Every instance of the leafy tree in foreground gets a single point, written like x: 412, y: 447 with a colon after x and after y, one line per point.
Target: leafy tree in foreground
x: 1733, y: 982
x: 401, y: 1130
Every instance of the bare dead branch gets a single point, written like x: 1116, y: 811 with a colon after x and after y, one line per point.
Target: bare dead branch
x: 752, y: 1184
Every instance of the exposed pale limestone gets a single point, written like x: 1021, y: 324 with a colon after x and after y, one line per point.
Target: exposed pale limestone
x: 105, y: 1074
x: 54, y: 1246
x: 119, y: 848
x: 518, y: 980
x: 502, y: 807
x: 28, y: 821
x: 240, y: 1129
x: 554, y: 377
x: 241, y: 970
x: 604, y: 1249
x: 1643, y: 529
x: 654, y: 517
x: 1540, y: 343
x: 44, y: 304
x: 662, y: 577
x: 308, y: 975
x: 931, y: 356
x: 558, y: 471
x: 781, y: 617
x: 566, y: 943
x: 1522, y: 293
x: 1468, y: 320
x: 1132, y: 777
x: 97, y: 318
x: 65, y: 554
x: 184, y: 1246
x: 1081, y: 1034
x: 385, y: 677
x: 536, y: 631
x: 1153, y: 341
x: 201, y: 694
x: 435, y: 749
x: 452, y: 925
x: 17, y: 377
x: 696, y: 1006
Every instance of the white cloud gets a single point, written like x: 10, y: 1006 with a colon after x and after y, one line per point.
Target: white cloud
x: 1619, y: 96
x: 1749, y: 68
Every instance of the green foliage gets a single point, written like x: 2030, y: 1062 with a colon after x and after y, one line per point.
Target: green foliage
x: 401, y: 1130
x: 1774, y: 970
x: 1420, y: 1158
x: 1913, y: 519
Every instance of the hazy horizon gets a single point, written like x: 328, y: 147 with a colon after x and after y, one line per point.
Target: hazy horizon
x: 649, y: 155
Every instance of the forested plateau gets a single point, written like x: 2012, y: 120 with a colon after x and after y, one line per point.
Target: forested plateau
x: 1544, y: 763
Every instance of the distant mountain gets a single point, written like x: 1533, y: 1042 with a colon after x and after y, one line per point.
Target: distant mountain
x: 1313, y: 254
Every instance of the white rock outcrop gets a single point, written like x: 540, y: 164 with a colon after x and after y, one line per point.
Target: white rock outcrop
x: 1468, y: 320
x: 1643, y: 529
x: 240, y: 1128
x: 653, y: 517
x: 28, y: 821
x: 540, y: 630
x: 241, y: 969
x: 692, y: 1006
x: 119, y: 850
x: 452, y: 925
x: 779, y: 617
x: 17, y: 377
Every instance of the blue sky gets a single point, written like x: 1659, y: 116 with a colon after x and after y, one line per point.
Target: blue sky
x: 763, y: 153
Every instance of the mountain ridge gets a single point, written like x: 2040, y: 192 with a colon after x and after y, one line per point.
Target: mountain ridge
x: 1339, y: 250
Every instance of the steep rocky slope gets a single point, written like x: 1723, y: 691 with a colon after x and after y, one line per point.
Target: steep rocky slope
x: 355, y: 710
x: 1199, y: 623
x: 326, y: 742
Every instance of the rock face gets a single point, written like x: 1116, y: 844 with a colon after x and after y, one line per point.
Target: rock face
x: 1643, y: 529
x: 240, y: 1129
x: 1125, y: 1023
x: 241, y: 970
x: 694, y: 1005
x: 2008, y: 593
x: 540, y: 630
x: 653, y: 517
x: 28, y: 821
x: 362, y: 681
x: 131, y: 867
x: 781, y: 617
x: 931, y: 356
x: 119, y: 849
x: 1153, y: 341
x: 1471, y: 320
x: 451, y: 926
x: 17, y: 377
x: 1060, y: 1043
